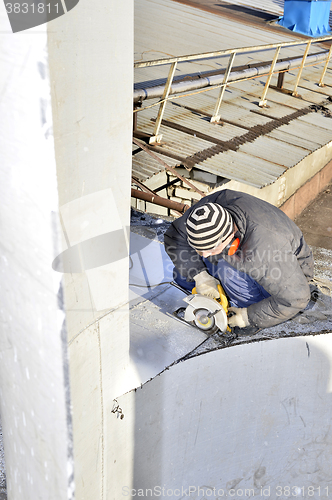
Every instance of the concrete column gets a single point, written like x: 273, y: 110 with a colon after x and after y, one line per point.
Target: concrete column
x: 34, y: 382
x: 64, y: 221
x: 91, y: 68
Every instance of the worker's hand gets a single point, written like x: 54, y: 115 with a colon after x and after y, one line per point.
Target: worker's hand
x: 238, y: 316
x: 207, y: 285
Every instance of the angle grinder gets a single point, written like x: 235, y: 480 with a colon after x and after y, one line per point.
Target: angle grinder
x: 207, y: 314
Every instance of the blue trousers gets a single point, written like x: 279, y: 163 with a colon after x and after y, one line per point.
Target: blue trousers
x: 240, y: 288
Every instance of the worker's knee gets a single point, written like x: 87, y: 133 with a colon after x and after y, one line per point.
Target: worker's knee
x: 303, y: 299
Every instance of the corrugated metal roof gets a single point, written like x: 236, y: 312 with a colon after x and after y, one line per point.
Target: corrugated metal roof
x: 272, y: 6
x: 243, y: 168
x: 318, y: 120
x: 203, y: 125
x: 265, y: 145
x: 301, y: 129
x: 144, y: 166
x: 184, y: 144
x: 269, y: 149
x: 164, y: 28
x: 170, y: 28
x: 303, y: 142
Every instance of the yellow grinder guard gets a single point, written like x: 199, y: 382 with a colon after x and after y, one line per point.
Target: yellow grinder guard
x: 222, y: 300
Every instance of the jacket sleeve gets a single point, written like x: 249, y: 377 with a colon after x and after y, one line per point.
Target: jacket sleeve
x: 282, y: 277
x: 184, y: 257
x: 305, y: 259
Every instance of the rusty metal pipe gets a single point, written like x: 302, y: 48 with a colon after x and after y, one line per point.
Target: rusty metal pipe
x: 170, y: 169
x: 159, y: 200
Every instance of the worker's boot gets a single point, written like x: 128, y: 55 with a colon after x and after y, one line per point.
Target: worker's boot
x: 247, y: 331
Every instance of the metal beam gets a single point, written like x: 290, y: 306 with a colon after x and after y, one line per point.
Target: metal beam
x: 157, y: 138
x: 321, y: 84
x: 295, y: 94
x: 216, y: 80
x: 266, y: 88
x: 216, y: 117
x: 167, y: 167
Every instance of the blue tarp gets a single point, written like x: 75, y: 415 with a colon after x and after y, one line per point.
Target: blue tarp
x: 307, y: 17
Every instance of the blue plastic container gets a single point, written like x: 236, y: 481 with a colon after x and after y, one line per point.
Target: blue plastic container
x: 307, y: 17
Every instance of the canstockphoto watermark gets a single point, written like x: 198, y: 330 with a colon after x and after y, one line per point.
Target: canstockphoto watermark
x: 205, y: 492
x: 193, y: 492
x: 24, y: 14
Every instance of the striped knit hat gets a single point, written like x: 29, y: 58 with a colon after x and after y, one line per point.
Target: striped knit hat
x: 208, y: 225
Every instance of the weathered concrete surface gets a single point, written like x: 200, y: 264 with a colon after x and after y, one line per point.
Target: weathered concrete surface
x: 34, y: 385
x: 91, y: 68
x: 91, y: 89
x: 252, y: 417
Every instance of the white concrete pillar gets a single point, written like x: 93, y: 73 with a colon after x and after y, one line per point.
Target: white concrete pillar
x: 34, y: 381
x: 85, y: 63
x: 91, y: 68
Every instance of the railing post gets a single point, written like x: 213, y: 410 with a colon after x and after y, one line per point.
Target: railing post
x: 321, y: 84
x: 295, y: 94
x: 157, y: 138
x: 263, y: 101
x: 216, y: 117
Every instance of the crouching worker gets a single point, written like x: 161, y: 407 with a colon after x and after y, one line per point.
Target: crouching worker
x: 252, y: 248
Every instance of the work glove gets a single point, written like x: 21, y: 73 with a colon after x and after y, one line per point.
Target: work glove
x: 238, y: 316
x: 207, y: 285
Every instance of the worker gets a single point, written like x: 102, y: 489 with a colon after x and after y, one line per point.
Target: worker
x: 252, y: 249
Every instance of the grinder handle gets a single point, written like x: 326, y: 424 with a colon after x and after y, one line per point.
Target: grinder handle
x: 222, y: 297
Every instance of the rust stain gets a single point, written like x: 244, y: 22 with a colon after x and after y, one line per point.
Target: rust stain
x: 251, y: 135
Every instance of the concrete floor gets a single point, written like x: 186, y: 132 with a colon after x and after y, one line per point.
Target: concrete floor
x: 316, y: 220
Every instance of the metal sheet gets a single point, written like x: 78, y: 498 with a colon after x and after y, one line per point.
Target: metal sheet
x: 181, y: 143
x: 281, y: 98
x: 144, y: 166
x: 202, y: 124
x: 272, y: 6
x: 271, y: 150
x: 319, y: 121
x: 187, y: 30
x: 302, y: 129
x: 302, y: 142
x: 235, y: 107
x: 156, y: 340
x: 243, y: 167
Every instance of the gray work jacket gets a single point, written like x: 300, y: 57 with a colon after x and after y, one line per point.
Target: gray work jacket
x: 272, y: 251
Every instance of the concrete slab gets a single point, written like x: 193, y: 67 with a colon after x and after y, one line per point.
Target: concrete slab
x: 316, y: 220
x: 248, y: 421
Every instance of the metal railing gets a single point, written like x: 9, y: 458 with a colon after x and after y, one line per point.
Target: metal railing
x: 169, y: 88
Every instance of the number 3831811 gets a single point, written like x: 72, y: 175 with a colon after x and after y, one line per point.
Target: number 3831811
x: 304, y: 491
x: 31, y: 8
